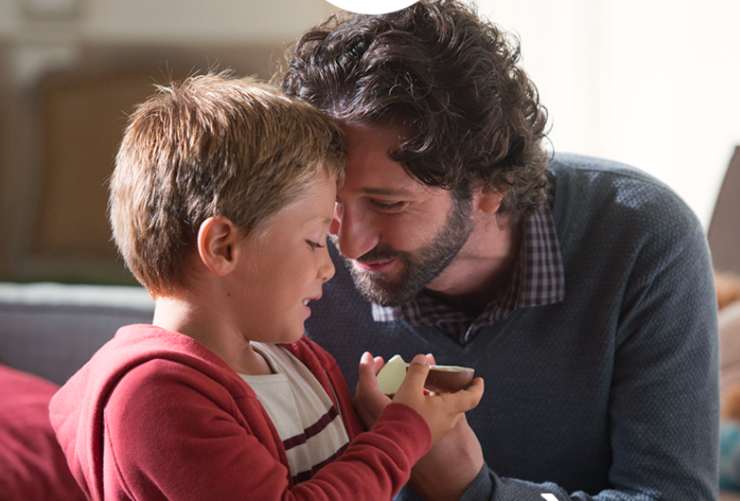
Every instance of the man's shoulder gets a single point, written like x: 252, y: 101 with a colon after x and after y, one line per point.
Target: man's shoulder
x: 571, y: 167
x: 612, y: 191
x: 616, y: 217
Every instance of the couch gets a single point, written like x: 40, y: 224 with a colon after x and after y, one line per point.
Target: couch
x: 47, y: 332
x: 50, y: 329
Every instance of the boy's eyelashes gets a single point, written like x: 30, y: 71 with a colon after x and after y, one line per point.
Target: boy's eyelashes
x: 315, y: 245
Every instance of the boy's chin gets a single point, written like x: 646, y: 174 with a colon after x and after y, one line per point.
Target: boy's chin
x: 289, y: 335
x: 277, y: 335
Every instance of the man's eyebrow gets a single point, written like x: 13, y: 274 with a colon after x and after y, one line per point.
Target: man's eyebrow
x: 386, y: 192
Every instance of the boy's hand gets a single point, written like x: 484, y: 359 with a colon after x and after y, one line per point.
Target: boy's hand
x: 369, y: 401
x: 441, y: 411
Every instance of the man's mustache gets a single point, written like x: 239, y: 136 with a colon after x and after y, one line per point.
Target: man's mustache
x: 378, y: 253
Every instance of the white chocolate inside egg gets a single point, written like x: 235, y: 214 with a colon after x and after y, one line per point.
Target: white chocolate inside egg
x: 393, y: 373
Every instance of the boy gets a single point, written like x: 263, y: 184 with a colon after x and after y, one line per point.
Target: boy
x: 220, y: 204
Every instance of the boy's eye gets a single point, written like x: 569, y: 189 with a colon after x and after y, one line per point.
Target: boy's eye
x: 315, y: 245
x: 388, y: 206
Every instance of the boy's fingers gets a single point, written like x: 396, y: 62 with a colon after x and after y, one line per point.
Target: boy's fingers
x: 366, y: 372
x: 467, y: 399
x: 416, y: 374
x: 378, y: 364
x: 420, y: 359
x: 365, y: 360
x: 369, y: 400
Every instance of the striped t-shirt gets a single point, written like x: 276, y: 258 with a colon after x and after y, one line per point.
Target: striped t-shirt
x: 308, y: 422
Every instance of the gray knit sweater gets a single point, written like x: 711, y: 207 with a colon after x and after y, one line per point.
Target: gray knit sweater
x: 609, y: 395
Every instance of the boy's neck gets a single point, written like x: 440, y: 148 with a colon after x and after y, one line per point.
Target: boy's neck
x: 212, y: 329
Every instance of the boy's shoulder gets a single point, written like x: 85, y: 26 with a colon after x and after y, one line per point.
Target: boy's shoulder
x: 155, y: 355
x: 139, y: 344
x: 169, y: 384
x: 136, y: 379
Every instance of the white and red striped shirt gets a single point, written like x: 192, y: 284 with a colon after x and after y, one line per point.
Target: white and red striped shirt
x: 306, y: 419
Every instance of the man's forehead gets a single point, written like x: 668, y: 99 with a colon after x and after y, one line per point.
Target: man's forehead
x: 370, y: 168
x: 386, y: 179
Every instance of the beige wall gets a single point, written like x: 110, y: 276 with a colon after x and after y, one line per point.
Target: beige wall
x: 167, y: 21
x: 652, y: 83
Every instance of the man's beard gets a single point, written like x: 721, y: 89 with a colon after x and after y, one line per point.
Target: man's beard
x: 418, y: 267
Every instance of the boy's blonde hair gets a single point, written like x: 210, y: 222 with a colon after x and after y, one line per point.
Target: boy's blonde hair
x: 212, y: 145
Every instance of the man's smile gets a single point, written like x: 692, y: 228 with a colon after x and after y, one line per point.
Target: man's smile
x: 374, y: 266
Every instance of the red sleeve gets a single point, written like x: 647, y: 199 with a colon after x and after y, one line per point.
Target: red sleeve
x: 172, y: 432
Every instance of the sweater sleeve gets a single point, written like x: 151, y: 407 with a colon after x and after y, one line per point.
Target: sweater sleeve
x: 172, y: 433
x: 664, y: 406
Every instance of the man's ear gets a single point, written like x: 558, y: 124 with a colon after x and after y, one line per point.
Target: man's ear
x: 217, y: 244
x: 487, y: 202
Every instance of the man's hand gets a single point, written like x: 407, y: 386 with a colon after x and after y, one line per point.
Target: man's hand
x: 369, y: 401
x: 449, y: 467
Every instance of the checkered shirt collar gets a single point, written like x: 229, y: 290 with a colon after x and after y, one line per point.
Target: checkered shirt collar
x: 537, y: 280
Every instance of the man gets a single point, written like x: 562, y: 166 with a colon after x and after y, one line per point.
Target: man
x: 579, y: 289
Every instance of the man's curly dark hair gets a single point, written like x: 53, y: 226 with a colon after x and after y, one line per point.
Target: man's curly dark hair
x: 448, y: 79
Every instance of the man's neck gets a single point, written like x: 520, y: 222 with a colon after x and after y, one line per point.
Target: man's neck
x: 483, y: 267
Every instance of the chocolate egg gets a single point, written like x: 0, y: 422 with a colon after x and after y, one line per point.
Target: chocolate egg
x: 448, y: 378
x: 441, y: 378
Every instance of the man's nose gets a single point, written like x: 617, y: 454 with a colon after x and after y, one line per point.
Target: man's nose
x: 355, y: 233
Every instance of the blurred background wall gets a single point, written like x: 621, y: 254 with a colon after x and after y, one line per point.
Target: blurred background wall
x: 652, y: 83
x: 655, y: 84
x: 70, y: 72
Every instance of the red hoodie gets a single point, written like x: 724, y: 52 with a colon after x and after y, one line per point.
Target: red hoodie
x: 155, y: 415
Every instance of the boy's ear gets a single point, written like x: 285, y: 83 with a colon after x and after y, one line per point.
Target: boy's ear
x: 217, y: 244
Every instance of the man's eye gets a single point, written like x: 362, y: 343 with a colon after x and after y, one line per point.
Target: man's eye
x: 314, y: 245
x: 391, y: 206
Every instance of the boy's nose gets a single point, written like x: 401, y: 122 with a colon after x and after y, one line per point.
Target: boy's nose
x: 326, y: 270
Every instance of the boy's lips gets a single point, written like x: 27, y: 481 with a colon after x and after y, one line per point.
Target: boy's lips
x: 374, y: 266
x: 308, y: 300
x: 306, y: 304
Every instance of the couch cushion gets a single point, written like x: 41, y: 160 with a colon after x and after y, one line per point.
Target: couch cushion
x: 32, y: 466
